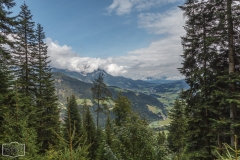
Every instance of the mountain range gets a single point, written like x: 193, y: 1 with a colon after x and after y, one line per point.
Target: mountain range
x: 143, y: 94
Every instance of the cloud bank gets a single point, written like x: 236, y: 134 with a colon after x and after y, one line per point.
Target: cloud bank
x: 64, y: 57
x: 161, y: 57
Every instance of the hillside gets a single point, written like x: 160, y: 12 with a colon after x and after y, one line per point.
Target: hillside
x: 166, y: 91
x: 65, y: 86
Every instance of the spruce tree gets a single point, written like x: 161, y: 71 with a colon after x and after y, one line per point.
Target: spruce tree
x: 100, y: 94
x: 121, y: 109
x: 15, y: 123
x: 73, y: 120
x: 6, y: 25
x: 135, y: 139
x: 109, y: 132
x: 25, y: 50
x: 23, y: 57
x: 176, y: 129
x: 209, y: 53
x: 90, y: 131
x: 46, y: 100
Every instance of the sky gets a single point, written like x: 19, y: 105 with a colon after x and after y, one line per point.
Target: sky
x: 131, y: 38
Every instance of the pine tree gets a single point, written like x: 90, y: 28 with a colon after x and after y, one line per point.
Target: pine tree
x: 135, y: 139
x: 108, y: 132
x: 6, y: 25
x: 101, y: 94
x: 177, y: 127
x: 15, y: 123
x: 73, y: 120
x: 90, y: 131
x: 46, y: 100
x: 121, y: 109
x: 25, y: 50
x: 161, y: 149
x: 206, y: 65
x: 23, y: 57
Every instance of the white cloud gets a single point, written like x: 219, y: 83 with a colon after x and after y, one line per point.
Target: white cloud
x: 64, y: 57
x: 170, y: 22
x: 122, y: 7
x: 161, y: 57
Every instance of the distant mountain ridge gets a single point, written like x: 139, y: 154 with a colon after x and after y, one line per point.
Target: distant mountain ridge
x: 118, y: 81
x: 110, y: 80
x: 65, y: 86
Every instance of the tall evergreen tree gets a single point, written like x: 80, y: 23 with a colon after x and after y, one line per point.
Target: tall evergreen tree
x: 101, y: 94
x: 90, y: 131
x: 205, y: 66
x: 23, y: 57
x: 6, y: 24
x: 25, y: 50
x: 46, y: 100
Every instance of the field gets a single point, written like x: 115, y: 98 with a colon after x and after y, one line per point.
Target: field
x: 160, y: 125
x: 80, y: 101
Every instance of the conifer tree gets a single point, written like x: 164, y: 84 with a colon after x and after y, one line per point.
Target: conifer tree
x: 23, y: 57
x: 73, y: 120
x: 46, y: 100
x: 121, y: 109
x: 24, y: 50
x: 176, y: 129
x: 6, y: 25
x: 108, y: 132
x: 15, y: 123
x: 101, y: 94
x: 135, y: 139
x: 90, y: 131
x: 205, y: 66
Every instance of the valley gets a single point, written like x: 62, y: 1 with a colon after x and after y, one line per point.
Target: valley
x: 150, y: 100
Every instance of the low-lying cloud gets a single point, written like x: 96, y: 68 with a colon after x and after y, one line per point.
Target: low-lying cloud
x: 64, y: 57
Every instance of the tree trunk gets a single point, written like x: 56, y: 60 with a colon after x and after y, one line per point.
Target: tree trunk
x: 231, y: 56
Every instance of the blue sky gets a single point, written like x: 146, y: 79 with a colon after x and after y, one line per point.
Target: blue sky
x: 131, y: 38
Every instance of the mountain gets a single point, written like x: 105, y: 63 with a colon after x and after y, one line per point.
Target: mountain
x: 119, y: 81
x: 162, y: 80
x: 147, y: 106
x: 166, y: 91
x: 173, y: 87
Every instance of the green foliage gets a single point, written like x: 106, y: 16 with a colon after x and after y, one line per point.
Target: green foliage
x: 121, y: 109
x: 135, y: 139
x: 230, y: 153
x: 177, y: 127
x: 46, y: 100
x: 15, y: 124
x: 73, y: 123
x: 90, y: 131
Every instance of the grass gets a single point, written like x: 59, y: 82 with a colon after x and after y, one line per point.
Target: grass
x: 167, y: 98
x: 80, y: 101
x: 165, y: 122
x: 160, y: 123
x: 154, y: 109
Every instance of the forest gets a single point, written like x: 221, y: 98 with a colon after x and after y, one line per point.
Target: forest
x: 205, y: 119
